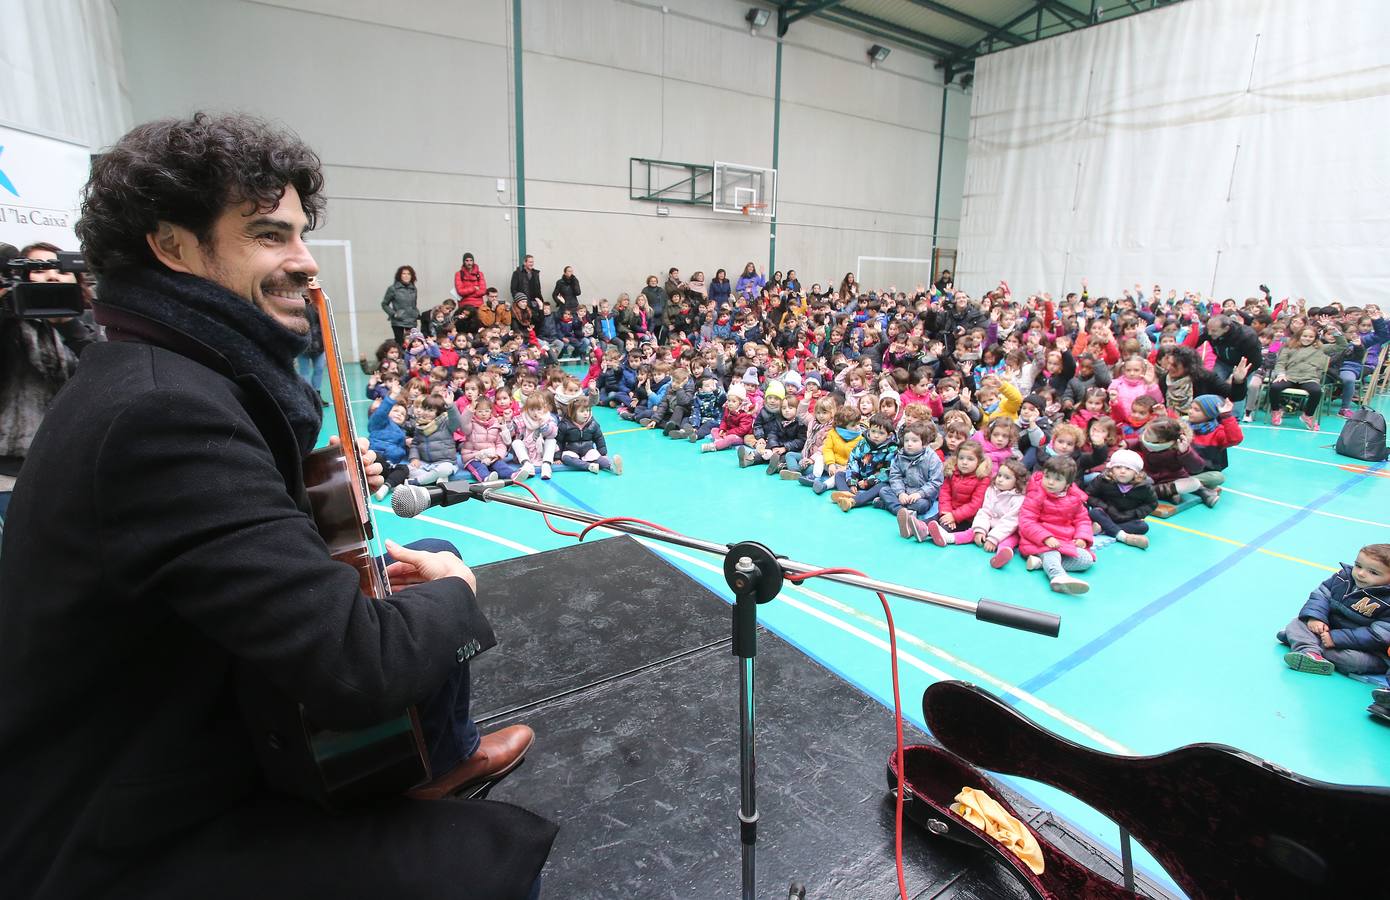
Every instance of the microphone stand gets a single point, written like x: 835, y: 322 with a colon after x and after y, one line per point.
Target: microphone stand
x: 755, y: 575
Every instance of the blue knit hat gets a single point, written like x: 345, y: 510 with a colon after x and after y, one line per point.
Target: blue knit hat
x: 1210, y: 403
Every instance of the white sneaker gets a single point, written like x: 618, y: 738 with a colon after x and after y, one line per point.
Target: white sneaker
x: 492, y: 476
x: 1065, y: 584
x: 525, y: 472
x: 1034, y: 563
x: 381, y: 493
x: 617, y: 464
x: 593, y: 468
x: 545, y: 471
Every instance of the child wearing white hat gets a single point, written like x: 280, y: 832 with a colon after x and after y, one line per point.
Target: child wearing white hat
x: 1120, y: 499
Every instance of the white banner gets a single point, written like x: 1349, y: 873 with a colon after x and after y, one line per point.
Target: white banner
x: 40, y: 182
x: 1207, y: 145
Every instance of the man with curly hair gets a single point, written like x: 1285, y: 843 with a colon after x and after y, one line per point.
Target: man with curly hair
x: 159, y: 557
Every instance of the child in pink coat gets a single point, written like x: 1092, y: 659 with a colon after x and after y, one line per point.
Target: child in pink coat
x: 1054, y: 529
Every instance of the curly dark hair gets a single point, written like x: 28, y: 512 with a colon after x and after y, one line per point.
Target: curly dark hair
x: 187, y: 171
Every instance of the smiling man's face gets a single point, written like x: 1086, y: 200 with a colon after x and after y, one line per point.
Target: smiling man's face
x: 258, y: 255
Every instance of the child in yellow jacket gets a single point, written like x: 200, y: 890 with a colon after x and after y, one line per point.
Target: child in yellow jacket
x: 839, y: 441
x: 997, y: 398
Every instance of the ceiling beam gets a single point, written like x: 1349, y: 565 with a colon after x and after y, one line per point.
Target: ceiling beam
x: 1075, y: 18
x: 891, y: 31
x: 896, y: 37
x: 965, y: 19
x: 796, y: 13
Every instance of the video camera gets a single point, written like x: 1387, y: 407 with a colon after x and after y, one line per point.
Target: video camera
x: 21, y: 298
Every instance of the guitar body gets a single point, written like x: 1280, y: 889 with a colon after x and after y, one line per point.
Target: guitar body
x: 336, y: 769
x: 1223, y: 823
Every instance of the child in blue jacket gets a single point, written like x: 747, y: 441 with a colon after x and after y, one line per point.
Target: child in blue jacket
x: 387, y: 438
x: 1344, y: 624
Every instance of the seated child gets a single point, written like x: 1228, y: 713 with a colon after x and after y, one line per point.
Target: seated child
x: 483, y: 448
x: 839, y: 443
x: 580, y: 441
x: 387, y: 438
x: 866, y: 474
x: 769, y: 418
x: 706, y: 411
x: 1214, y: 428
x: 817, y: 419
x: 1066, y: 442
x: 968, y: 473
x: 675, y: 406
x: 1034, y: 428
x: 1141, y: 412
x: 995, y: 527
x: 433, y: 453
x: 1174, y: 466
x: 1343, y: 625
x: 1054, y: 529
x: 787, y: 435
x: 736, y: 424
x: 533, y: 438
x: 999, y: 438
x: 997, y: 398
x: 1121, y: 497
x: 914, y: 478
x: 1102, y: 437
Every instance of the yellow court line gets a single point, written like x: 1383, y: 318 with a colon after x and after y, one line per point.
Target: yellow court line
x: 626, y: 431
x: 1226, y: 540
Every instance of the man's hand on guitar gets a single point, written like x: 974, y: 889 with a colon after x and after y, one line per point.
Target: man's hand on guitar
x: 369, y: 463
x: 417, y: 567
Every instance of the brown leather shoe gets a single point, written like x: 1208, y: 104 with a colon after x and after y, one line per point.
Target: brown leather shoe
x: 497, y: 754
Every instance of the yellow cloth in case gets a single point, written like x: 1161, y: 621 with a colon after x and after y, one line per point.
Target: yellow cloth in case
x: 985, y: 813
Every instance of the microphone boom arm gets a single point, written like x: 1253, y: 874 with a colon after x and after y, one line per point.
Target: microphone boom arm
x: 984, y: 610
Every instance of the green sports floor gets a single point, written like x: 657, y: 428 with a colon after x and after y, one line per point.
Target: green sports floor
x: 1173, y: 645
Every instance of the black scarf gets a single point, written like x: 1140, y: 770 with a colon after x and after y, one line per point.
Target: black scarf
x: 249, y: 340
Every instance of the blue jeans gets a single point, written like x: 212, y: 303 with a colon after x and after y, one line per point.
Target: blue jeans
x: 1223, y: 371
x: 1349, y: 375
x: 450, y: 735
x: 1109, y: 526
x: 863, y: 496
x: 924, y: 508
x: 311, y: 369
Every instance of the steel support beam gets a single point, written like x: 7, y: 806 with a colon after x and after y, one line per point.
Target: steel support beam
x: 965, y: 19
x: 1073, y: 17
x: 893, y: 31
x: 786, y: 15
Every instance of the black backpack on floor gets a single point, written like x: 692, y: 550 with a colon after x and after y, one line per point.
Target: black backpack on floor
x: 1363, y: 436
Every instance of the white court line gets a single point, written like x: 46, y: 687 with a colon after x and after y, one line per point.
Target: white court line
x: 904, y: 636
x: 1321, y: 462
x: 1316, y: 512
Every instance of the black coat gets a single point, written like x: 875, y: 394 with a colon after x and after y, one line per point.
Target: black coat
x: 158, y: 539
x: 1239, y: 342
x: 528, y: 283
x: 566, y: 293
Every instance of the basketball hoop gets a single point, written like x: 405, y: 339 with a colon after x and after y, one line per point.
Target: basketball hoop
x: 748, y: 208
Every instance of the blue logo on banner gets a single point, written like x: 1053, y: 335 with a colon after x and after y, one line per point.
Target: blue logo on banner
x: 5, y: 180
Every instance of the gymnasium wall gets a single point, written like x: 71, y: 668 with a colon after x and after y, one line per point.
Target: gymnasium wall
x: 1208, y: 145
x: 410, y: 106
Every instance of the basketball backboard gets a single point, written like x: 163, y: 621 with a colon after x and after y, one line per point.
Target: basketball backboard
x: 745, y: 190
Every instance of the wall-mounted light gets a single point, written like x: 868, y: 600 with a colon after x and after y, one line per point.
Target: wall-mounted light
x: 756, y: 18
x: 877, y: 54
x: 967, y: 80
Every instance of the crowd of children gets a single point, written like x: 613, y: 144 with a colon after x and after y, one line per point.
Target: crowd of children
x: 1047, y: 428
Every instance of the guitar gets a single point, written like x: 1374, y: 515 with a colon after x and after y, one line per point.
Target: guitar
x: 1223, y: 823
x: 337, y: 769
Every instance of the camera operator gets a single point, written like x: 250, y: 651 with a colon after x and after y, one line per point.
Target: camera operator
x: 37, y: 357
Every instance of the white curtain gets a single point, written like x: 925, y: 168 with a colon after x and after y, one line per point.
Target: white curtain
x: 1211, y: 146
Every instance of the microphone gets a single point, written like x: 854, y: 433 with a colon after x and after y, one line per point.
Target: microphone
x: 409, y: 500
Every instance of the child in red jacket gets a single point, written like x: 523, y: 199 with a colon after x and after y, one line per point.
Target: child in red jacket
x: 968, y: 475
x: 1054, y: 528
x: 736, y: 424
x: 1214, y: 428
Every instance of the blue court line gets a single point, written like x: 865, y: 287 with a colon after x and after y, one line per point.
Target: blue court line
x: 1134, y: 620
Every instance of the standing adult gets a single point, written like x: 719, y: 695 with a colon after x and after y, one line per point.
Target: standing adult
x: 750, y: 282
x: 469, y: 283
x: 696, y: 289
x: 401, y: 304
x: 720, y: 289
x: 673, y: 285
x: 200, y: 564
x: 527, y: 280
x: 657, y: 298
x: 566, y: 293
x: 37, y: 357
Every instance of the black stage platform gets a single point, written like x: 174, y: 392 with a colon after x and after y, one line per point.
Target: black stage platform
x: 621, y: 664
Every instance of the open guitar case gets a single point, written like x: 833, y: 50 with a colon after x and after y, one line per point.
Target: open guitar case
x: 1223, y: 823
